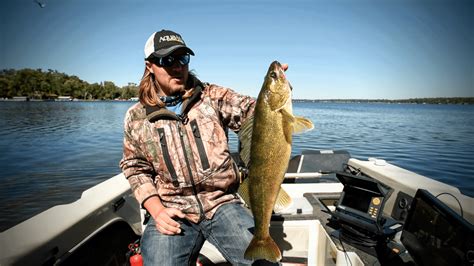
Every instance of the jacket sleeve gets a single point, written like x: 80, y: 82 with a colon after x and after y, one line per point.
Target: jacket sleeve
x: 233, y: 107
x: 136, y: 168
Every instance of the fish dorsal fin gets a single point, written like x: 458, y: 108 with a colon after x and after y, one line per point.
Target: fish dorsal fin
x: 282, y: 202
x: 302, y: 124
x: 245, y: 138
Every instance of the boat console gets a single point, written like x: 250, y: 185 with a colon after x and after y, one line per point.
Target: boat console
x: 414, y: 229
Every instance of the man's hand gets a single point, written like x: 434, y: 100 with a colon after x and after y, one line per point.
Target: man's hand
x: 164, y: 217
x: 165, y: 223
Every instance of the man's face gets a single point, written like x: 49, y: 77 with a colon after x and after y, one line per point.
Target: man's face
x: 171, y: 75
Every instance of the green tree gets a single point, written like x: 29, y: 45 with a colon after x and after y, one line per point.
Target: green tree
x: 129, y: 91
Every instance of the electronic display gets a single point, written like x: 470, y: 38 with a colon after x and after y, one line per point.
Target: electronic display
x: 361, y: 195
x: 358, y: 218
x: 361, y: 200
x: 434, y: 234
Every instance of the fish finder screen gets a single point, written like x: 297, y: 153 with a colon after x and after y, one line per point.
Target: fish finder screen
x: 357, y: 199
x: 434, y: 234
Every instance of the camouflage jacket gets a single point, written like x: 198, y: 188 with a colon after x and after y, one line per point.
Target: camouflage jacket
x: 184, y: 159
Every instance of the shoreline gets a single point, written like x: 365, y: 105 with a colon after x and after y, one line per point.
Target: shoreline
x: 438, y: 100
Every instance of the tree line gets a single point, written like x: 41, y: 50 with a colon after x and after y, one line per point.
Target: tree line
x: 50, y: 84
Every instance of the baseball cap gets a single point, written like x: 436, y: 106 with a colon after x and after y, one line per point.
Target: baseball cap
x: 163, y: 43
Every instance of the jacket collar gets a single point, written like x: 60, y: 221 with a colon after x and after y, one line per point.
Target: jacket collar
x: 154, y: 113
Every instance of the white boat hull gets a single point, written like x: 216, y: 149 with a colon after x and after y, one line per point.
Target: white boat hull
x: 59, y: 232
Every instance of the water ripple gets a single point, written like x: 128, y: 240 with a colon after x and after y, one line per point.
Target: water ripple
x: 51, y: 151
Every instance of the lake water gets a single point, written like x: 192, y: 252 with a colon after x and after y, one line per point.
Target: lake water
x: 51, y: 151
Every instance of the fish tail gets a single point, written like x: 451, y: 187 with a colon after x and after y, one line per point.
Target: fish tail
x: 263, y: 248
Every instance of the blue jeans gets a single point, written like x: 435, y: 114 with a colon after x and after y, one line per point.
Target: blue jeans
x: 228, y: 231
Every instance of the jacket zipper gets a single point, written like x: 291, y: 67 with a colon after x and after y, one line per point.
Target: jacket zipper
x: 200, y: 145
x: 167, y: 157
x: 181, y: 136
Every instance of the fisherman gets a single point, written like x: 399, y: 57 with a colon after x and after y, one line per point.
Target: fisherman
x: 177, y: 161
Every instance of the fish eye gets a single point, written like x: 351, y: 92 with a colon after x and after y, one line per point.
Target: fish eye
x: 273, y: 74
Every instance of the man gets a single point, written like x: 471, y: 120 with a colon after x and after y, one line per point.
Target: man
x: 177, y: 161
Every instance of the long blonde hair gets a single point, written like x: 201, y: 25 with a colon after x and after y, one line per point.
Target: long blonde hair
x: 149, y: 88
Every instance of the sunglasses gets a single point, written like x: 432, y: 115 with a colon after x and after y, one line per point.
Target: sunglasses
x: 169, y: 60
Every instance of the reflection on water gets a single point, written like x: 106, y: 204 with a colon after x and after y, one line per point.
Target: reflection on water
x: 51, y: 151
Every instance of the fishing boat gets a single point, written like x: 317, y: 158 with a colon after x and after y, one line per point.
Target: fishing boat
x: 345, y: 211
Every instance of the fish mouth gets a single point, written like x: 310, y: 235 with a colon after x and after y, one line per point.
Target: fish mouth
x: 276, y: 70
x: 275, y: 64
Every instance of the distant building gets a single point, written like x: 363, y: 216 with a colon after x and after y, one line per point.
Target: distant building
x: 20, y: 99
x: 64, y: 98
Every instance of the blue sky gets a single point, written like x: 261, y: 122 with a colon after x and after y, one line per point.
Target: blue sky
x: 336, y: 49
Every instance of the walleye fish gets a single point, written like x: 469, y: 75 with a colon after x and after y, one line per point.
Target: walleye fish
x: 270, y: 134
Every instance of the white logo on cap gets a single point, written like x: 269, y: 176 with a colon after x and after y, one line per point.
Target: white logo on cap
x: 170, y: 38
